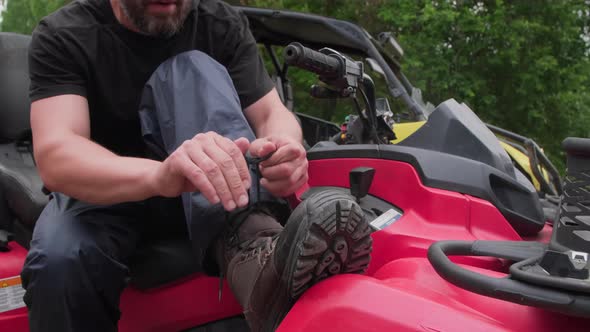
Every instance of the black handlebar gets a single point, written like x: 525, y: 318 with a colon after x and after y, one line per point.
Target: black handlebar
x: 313, y: 61
x: 343, y: 77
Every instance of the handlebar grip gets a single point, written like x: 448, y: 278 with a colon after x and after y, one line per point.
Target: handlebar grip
x: 310, y: 60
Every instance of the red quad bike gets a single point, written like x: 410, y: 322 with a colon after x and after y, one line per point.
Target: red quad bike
x: 443, y: 193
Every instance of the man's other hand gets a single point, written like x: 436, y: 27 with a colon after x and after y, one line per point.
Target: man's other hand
x: 208, y: 163
x: 286, y: 170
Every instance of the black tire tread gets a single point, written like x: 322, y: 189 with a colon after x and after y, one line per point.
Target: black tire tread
x: 337, y: 221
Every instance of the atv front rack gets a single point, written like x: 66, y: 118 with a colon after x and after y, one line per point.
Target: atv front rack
x: 554, y: 276
x: 537, y: 159
x: 509, y: 288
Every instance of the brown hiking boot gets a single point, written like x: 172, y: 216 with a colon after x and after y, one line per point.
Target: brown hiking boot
x: 268, y: 269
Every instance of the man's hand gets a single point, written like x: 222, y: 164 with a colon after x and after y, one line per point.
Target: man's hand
x: 208, y: 163
x: 286, y: 170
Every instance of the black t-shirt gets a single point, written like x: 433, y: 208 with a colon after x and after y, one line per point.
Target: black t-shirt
x: 82, y: 49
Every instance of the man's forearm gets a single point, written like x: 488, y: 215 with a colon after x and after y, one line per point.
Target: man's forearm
x: 278, y: 133
x: 86, y: 171
x: 281, y: 123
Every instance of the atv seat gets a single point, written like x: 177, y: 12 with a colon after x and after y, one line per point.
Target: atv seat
x: 20, y: 183
x: 21, y: 203
x: 156, y: 262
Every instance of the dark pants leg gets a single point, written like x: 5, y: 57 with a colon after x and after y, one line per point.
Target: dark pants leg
x: 76, y: 268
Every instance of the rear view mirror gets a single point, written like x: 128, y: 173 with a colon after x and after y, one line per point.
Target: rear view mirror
x: 388, y: 41
x: 375, y: 66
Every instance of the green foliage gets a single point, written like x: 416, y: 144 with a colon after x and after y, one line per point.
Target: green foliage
x: 23, y: 15
x: 520, y: 65
x: 333, y: 110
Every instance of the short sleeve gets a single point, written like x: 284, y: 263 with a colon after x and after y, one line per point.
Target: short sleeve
x: 53, y: 70
x: 245, y: 64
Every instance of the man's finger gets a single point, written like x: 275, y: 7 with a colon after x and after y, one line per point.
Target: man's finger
x: 213, y: 172
x: 262, y: 147
x: 230, y: 172
x: 278, y: 172
x: 284, y: 154
x: 285, y: 187
x: 243, y: 144
x: 185, y: 166
x: 229, y: 169
x: 237, y: 154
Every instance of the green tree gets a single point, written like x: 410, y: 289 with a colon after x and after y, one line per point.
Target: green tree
x: 22, y: 16
x: 521, y: 66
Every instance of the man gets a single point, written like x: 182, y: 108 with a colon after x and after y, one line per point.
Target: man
x: 88, y: 65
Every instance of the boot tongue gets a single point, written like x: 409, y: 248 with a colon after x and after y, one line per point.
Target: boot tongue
x: 258, y: 225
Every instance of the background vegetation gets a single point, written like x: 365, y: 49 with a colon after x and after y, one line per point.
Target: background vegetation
x: 521, y: 65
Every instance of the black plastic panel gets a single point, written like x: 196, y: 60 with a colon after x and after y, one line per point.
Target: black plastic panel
x: 453, y: 128
x: 332, y: 150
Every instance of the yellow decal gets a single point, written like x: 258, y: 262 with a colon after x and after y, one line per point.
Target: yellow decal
x: 11, y: 294
x: 10, y: 282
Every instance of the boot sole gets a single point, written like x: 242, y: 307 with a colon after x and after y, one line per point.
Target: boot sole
x: 332, y: 238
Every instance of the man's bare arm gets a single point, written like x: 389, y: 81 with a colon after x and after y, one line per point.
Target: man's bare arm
x: 279, y: 133
x: 69, y: 162
x: 269, y: 117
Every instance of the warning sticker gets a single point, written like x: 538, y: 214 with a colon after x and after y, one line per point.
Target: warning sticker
x: 11, y: 294
x: 386, y: 219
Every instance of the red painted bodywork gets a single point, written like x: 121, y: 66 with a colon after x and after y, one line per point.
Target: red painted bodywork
x: 401, y: 291
x: 187, y: 303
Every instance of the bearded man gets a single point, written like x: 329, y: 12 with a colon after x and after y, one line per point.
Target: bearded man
x: 89, y: 63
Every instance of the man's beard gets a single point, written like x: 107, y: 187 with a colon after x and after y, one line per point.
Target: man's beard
x: 156, y: 25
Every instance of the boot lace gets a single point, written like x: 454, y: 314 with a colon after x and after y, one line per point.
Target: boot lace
x: 253, y: 247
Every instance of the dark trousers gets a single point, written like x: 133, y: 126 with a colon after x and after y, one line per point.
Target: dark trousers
x: 77, y: 265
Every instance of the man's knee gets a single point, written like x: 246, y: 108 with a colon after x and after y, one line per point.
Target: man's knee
x: 58, y: 263
x: 67, y: 259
